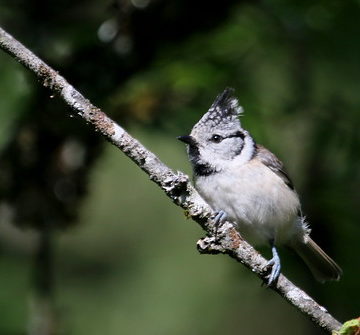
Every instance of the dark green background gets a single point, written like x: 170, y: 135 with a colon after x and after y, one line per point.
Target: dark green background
x: 124, y: 257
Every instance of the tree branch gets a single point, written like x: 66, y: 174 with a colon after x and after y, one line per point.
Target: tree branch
x: 175, y: 184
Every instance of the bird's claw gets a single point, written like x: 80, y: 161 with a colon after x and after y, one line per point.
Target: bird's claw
x: 275, y: 264
x: 219, y: 219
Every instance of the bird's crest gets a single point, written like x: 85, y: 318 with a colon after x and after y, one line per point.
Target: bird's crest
x: 225, y: 109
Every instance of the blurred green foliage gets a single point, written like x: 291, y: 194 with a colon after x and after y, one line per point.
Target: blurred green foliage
x: 130, y: 265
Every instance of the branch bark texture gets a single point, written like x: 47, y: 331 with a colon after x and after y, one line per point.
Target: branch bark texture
x: 175, y: 184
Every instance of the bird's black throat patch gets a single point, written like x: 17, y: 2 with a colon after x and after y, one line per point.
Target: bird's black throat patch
x: 203, y: 169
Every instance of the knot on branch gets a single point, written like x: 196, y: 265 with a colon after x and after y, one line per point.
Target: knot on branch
x: 176, y: 185
x: 226, y: 238
x: 209, y: 245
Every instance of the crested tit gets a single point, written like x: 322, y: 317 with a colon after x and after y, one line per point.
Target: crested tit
x: 248, y: 183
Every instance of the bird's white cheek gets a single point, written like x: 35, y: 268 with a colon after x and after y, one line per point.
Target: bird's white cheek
x: 211, y: 157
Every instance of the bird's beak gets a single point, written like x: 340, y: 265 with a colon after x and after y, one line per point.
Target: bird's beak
x: 187, y: 139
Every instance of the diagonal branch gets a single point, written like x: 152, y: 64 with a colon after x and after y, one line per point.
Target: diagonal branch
x: 176, y: 185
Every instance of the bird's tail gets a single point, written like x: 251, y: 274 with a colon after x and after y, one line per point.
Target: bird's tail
x: 320, y: 264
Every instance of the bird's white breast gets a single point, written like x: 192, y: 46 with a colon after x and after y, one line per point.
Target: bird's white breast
x: 252, y: 195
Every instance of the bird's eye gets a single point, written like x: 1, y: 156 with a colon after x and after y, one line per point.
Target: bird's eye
x: 216, y: 138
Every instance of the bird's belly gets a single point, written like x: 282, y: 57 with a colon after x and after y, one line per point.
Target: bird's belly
x: 262, y: 205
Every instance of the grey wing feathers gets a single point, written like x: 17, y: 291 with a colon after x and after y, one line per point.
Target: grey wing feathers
x: 273, y: 163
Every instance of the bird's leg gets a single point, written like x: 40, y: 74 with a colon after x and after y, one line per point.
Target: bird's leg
x: 219, y: 219
x: 274, y: 262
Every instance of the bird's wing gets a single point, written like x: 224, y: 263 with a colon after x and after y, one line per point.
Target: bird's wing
x: 274, y: 164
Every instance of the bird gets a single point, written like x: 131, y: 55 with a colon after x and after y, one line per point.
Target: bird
x: 245, y: 183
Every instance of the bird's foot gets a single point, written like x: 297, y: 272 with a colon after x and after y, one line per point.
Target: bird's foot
x: 274, y: 262
x: 219, y: 219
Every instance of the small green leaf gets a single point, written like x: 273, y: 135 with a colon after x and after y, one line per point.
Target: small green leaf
x: 351, y: 327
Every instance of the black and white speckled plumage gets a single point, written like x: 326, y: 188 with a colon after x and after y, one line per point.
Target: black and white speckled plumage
x: 224, y: 111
